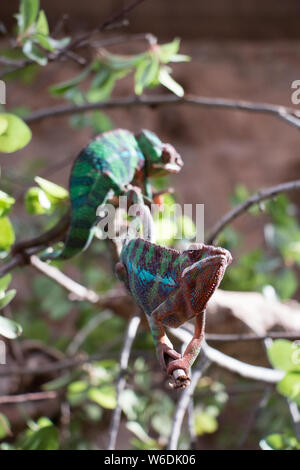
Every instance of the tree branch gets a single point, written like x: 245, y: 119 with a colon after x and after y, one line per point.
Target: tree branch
x: 183, y: 403
x: 288, y: 114
x: 261, y: 374
x: 6, y: 399
x: 243, y: 207
x: 116, y: 417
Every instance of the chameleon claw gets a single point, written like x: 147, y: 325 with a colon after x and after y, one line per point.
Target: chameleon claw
x: 166, y: 355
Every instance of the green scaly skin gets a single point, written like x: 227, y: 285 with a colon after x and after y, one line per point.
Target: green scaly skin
x: 103, y: 169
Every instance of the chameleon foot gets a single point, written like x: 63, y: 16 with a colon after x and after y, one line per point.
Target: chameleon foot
x: 166, y: 354
x: 178, y: 369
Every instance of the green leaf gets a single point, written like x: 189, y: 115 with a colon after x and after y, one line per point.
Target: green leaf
x: 59, y: 43
x: 43, y: 41
x: 9, y: 328
x: 3, y: 125
x: 61, y: 88
x: 284, y: 355
x: 7, y: 235
x: 4, y: 426
x: 167, y: 81
x: 6, y: 203
x: 52, y: 190
x: 33, y: 52
x: 105, y: 396
x: 139, y: 432
x: 45, y: 438
x: 28, y: 11
x: 36, y: 202
x: 42, y: 24
x: 289, y: 386
x: 168, y: 50
x: 272, y: 442
x: 4, y: 282
x: 16, y: 135
x: 146, y: 73
x: 6, y: 298
x: 205, y: 423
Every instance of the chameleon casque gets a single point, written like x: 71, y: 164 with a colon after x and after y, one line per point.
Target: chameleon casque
x: 172, y: 287
x: 107, y: 167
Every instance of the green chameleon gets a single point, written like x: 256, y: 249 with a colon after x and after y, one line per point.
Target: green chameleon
x: 172, y: 287
x: 107, y: 167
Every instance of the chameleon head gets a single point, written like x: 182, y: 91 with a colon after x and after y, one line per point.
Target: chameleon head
x: 161, y: 158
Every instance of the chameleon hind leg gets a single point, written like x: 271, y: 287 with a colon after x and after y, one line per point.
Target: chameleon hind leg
x: 165, y: 315
x: 83, y: 219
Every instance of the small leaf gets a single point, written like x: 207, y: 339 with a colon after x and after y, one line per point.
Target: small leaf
x: 36, y: 202
x: 61, y: 88
x: 205, y: 423
x: 139, y: 432
x: 45, y: 438
x: 289, y: 386
x: 6, y: 298
x: 105, y: 396
x: 284, y: 354
x: 33, y: 52
x: 4, y: 282
x: 59, y: 43
x: 168, y: 50
x: 52, y: 190
x: 16, y: 135
x: 28, y: 11
x: 4, y: 426
x: 169, y: 82
x: 3, y: 125
x: 7, y: 235
x: 146, y: 74
x: 9, y: 328
x: 42, y: 24
x: 6, y: 203
x: 272, y: 442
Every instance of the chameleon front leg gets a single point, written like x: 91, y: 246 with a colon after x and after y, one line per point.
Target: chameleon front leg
x: 164, y: 348
x: 192, y: 351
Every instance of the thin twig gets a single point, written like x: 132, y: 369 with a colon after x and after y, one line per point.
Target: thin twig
x: 254, y: 199
x: 88, y: 328
x: 248, y: 426
x: 184, y: 402
x: 116, y: 417
x: 295, y: 415
x: 282, y: 112
x: 81, y: 292
x: 25, y: 397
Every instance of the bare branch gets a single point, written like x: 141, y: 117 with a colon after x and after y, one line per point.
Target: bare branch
x: 88, y: 328
x: 116, y: 417
x: 81, y: 292
x: 288, y: 114
x: 183, y: 403
x: 295, y: 416
x: 6, y: 399
x: 261, y: 374
x: 254, y: 199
